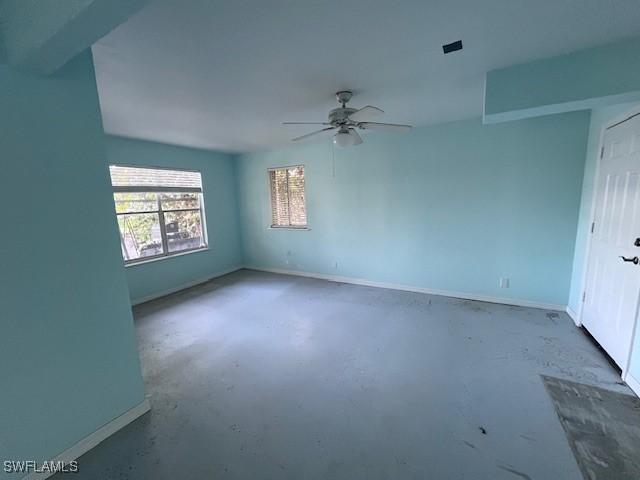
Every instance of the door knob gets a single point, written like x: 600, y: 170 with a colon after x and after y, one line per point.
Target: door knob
x: 634, y: 260
x: 637, y: 242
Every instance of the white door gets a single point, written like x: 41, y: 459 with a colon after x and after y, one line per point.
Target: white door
x: 613, y: 284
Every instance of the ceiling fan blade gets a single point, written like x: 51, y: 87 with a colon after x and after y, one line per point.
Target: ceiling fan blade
x: 305, y: 123
x: 312, y: 134
x: 365, y: 113
x: 387, y: 127
x: 357, y: 139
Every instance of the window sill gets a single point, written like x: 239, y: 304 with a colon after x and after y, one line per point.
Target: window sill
x: 165, y: 257
x: 288, y: 228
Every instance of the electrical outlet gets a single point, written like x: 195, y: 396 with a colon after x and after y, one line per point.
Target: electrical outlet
x: 504, y: 282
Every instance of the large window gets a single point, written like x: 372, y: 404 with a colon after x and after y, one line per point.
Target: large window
x: 160, y: 212
x: 288, y: 208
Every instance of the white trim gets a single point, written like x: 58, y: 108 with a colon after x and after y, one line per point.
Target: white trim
x: 184, y: 286
x: 633, y: 383
x: 484, y: 99
x: 634, y: 332
x: 632, y: 112
x: 285, y: 227
x: 411, y: 288
x: 574, y: 316
x: 592, y: 216
x: 156, y: 258
x: 87, y: 443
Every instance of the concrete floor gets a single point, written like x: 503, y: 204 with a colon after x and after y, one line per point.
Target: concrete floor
x: 265, y: 376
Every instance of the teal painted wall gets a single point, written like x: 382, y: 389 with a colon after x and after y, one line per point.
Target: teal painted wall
x: 68, y: 353
x: 450, y: 207
x: 221, y: 212
x: 581, y: 80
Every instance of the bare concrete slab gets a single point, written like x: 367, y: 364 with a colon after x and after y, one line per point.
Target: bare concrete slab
x: 264, y: 376
x: 603, y: 428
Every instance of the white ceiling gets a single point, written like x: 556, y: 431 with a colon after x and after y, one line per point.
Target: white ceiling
x: 224, y: 74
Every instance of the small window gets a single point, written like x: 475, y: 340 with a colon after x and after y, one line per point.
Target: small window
x: 160, y: 212
x: 288, y: 208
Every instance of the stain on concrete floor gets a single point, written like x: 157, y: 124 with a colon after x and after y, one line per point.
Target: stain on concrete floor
x: 264, y: 376
x: 602, y: 427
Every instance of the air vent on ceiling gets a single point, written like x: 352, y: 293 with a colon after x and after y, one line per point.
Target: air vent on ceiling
x: 452, y: 47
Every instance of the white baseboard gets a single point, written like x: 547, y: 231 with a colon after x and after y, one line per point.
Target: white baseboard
x: 90, y: 441
x: 164, y: 293
x: 574, y: 316
x: 633, y: 383
x: 410, y: 288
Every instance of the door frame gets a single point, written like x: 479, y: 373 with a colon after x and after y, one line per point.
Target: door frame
x: 635, y: 111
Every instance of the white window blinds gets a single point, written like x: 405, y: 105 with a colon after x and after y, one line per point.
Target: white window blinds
x: 288, y: 207
x: 154, y: 179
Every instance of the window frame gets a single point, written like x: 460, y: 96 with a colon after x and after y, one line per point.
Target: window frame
x: 161, y: 212
x: 270, y: 210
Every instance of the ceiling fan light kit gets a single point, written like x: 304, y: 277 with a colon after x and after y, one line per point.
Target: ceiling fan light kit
x: 346, y: 137
x: 347, y: 121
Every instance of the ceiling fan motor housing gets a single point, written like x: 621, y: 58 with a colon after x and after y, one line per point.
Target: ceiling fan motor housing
x: 339, y: 116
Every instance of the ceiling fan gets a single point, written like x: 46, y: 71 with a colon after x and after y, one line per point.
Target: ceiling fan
x: 347, y: 120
